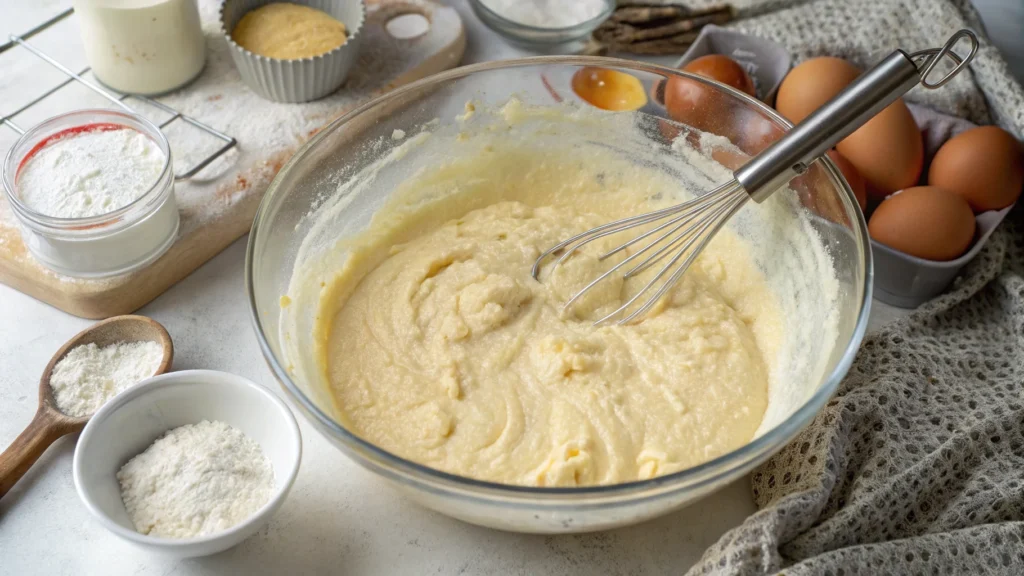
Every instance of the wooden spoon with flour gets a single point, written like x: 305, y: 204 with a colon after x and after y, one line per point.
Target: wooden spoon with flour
x: 50, y: 423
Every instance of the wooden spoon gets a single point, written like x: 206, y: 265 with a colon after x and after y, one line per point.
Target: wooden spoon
x: 50, y: 423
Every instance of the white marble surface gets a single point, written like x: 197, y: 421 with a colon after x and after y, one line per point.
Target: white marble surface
x: 337, y: 518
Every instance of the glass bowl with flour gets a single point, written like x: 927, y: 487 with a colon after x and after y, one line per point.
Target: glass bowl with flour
x: 388, y: 272
x: 540, y: 23
x: 93, y: 191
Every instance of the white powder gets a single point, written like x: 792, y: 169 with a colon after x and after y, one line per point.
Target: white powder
x: 547, y: 13
x: 196, y: 480
x: 90, y: 173
x: 87, y: 376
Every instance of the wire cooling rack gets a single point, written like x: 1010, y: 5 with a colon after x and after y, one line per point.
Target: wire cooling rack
x: 114, y: 97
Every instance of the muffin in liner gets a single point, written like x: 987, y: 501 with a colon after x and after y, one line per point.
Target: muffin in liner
x: 304, y: 79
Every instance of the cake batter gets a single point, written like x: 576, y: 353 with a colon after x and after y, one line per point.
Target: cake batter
x: 441, y: 348
x: 288, y: 31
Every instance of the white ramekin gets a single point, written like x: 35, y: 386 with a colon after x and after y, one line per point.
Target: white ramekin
x: 303, y: 79
x: 118, y: 242
x: 131, y: 421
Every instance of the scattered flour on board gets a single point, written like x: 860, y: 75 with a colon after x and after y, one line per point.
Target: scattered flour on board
x: 88, y: 375
x: 196, y: 480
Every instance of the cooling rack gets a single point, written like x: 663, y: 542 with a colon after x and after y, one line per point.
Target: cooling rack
x: 118, y: 99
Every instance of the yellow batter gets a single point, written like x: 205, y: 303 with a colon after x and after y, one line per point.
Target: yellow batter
x: 288, y: 31
x: 441, y: 348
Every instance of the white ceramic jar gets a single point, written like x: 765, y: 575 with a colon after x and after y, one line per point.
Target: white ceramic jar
x: 118, y: 242
x: 142, y: 46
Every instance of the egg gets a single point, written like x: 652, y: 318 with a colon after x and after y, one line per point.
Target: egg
x: 812, y: 83
x: 752, y: 131
x: 699, y: 105
x: 722, y: 69
x: 731, y: 159
x: 853, y: 178
x: 609, y: 89
x: 984, y: 165
x: 924, y: 221
x: 816, y: 190
x: 887, y: 151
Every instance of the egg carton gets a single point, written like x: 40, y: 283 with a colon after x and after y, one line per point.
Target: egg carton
x: 900, y: 279
x: 765, y: 61
x: 907, y: 281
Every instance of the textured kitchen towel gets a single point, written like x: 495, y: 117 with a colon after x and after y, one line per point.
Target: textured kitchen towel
x: 917, y: 465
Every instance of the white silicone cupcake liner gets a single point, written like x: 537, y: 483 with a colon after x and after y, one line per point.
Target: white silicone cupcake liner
x: 304, y: 79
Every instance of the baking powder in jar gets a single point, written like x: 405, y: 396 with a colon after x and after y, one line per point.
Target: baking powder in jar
x: 142, y: 46
x: 93, y: 191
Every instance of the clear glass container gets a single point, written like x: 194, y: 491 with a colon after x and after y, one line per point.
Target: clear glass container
x: 321, y: 169
x: 536, y: 36
x: 117, y: 242
x: 142, y: 47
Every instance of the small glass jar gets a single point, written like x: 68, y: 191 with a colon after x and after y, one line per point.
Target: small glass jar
x: 117, y: 242
x: 149, y: 47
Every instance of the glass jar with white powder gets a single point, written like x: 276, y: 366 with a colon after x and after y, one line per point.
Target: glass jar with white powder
x: 142, y: 46
x: 93, y: 191
x: 544, y: 23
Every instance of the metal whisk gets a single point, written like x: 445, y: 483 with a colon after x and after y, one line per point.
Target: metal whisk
x: 688, y: 227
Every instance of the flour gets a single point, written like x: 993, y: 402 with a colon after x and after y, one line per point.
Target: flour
x: 196, y: 480
x: 90, y: 173
x: 87, y: 376
x: 547, y: 13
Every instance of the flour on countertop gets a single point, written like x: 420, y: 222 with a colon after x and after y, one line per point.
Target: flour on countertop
x: 90, y: 173
x: 196, y: 480
x: 88, y: 375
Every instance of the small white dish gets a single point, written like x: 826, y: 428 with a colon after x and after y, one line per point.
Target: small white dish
x: 130, y: 422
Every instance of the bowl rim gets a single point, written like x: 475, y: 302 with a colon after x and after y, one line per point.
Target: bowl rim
x: 288, y: 424
x: 725, y: 466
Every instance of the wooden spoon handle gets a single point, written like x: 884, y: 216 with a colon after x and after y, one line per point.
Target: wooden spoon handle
x: 27, y: 447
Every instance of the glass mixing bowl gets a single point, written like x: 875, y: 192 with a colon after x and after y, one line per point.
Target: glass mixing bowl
x: 318, y: 172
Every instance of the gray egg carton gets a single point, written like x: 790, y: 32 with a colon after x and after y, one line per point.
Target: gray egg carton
x: 765, y: 61
x: 900, y: 280
x: 906, y: 281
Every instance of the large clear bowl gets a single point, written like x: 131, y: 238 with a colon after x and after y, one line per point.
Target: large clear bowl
x: 340, y: 150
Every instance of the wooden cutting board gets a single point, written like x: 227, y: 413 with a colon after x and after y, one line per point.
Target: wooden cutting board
x: 217, y: 206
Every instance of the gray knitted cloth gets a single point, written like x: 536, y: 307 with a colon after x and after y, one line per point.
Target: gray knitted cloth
x: 917, y: 465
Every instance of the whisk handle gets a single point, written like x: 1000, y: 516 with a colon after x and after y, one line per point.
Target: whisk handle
x: 790, y: 156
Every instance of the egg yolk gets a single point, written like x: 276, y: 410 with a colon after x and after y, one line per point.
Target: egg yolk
x: 609, y: 89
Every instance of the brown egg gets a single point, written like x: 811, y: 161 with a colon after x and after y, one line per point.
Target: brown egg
x: 812, y: 83
x: 817, y: 192
x: 887, y: 151
x: 722, y: 69
x: 984, y: 165
x: 751, y: 131
x: 698, y: 105
x: 609, y: 89
x: 924, y: 221
x: 731, y: 159
x: 853, y: 178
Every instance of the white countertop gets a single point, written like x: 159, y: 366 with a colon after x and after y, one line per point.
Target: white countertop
x: 338, y: 518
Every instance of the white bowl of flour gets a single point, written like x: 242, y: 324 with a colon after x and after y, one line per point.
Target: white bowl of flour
x: 189, y: 463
